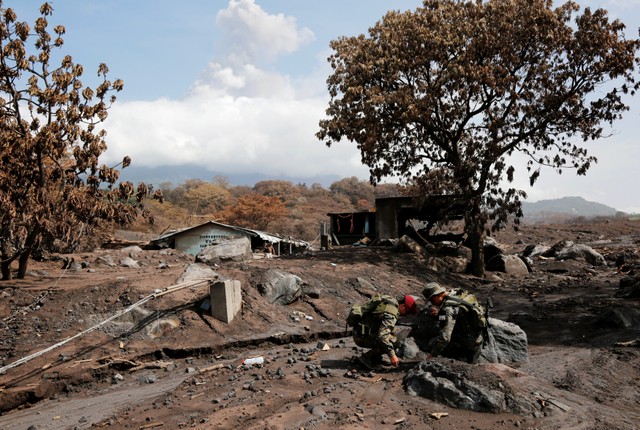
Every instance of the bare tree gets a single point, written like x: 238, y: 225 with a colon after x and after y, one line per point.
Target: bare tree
x: 442, y: 97
x: 53, y: 190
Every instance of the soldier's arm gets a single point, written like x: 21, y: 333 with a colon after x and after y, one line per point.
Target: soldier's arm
x: 440, y: 342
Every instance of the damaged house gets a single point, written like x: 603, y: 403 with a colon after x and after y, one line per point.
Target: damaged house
x: 192, y: 240
x: 392, y: 218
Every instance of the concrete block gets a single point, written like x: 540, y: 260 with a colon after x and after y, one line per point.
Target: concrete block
x: 226, y: 299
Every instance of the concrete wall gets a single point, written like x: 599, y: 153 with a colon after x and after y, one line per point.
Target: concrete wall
x: 387, y: 216
x: 226, y: 300
x: 194, y: 241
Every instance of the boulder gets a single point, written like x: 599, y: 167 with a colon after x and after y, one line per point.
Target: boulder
x: 196, y: 272
x: 508, y: 264
x: 507, y: 343
x: 557, y: 247
x: 491, y: 249
x: 407, y: 349
x: 535, y: 250
x: 105, y: 260
x: 619, y: 318
x: 129, y: 262
x: 280, y: 288
x: 581, y: 252
x: 226, y: 249
x: 440, y: 383
x: 629, y: 287
x: 131, y: 251
x: 464, y: 386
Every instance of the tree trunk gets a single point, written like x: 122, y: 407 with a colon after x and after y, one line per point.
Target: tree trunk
x: 474, y: 223
x: 475, y: 242
x: 5, y: 267
x: 23, y: 261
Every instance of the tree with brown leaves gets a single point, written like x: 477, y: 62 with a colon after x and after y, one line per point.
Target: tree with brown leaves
x: 443, y: 96
x: 53, y: 191
x: 254, y: 211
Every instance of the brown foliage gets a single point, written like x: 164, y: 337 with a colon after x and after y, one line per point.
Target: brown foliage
x: 253, y: 211
x: 53, y: 191
x: 442, y: 96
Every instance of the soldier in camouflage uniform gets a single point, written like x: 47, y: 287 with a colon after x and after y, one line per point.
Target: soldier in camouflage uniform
x: 460, y: 336
x: 377, y: 331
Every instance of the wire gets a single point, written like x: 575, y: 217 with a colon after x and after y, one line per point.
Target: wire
x: 111, y: 318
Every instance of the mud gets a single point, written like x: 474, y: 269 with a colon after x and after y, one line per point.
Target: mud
x: 170, y: 365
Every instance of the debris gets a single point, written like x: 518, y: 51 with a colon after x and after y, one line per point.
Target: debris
x: 399, y: 421
x: 438, y: 415
x: 253, y: 360
x: 153, y: 365
x: 545, y: 399
x: 634, y: 342
x: 210, y: 368
x: 151, y: 425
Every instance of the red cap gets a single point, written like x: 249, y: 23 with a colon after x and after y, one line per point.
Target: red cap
x: 410, y: 304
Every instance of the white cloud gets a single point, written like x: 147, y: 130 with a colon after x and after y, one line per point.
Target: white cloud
x: 253, y: 35
x: 229, y: 134
x: 244, y: 81
x: 238, y: 117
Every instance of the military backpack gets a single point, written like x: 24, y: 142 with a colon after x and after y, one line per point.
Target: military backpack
x: 477, y: 314
x: 360, y: 316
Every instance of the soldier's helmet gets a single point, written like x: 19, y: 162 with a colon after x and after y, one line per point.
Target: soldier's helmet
x: 432, y: 289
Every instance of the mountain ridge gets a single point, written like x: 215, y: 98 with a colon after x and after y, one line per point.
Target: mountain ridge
x: 566, y: 207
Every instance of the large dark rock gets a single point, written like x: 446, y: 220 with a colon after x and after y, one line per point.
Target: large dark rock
x: 434, y: 381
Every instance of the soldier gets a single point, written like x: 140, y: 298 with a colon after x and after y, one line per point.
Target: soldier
x: 376, y: 328
x: 461, y: 322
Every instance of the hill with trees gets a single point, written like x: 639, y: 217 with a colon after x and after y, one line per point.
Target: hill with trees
x: 554, y: 210
x: 277, y: 206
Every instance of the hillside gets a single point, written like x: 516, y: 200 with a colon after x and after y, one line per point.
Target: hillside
x: 557, y: 210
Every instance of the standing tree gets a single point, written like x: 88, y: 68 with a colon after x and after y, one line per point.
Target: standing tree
x: 442, y: 96
x: 254, y: 211
x: 53, y: 191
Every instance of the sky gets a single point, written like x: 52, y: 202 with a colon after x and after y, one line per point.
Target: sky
x: 238, y: 86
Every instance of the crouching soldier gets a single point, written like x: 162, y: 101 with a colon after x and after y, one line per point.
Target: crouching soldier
x: 460, y: 320
x: 374, y: 327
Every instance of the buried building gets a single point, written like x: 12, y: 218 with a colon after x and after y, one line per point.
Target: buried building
x: 192, y: 240
x: 393, y: 218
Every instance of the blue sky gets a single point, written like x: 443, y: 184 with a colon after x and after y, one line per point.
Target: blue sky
x: 239, y: 86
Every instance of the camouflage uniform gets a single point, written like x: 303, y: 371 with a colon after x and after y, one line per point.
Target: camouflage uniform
x: 458, y: 337
x: 378, y: 333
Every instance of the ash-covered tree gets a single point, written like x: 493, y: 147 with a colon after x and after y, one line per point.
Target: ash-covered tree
x: 53, y: 191
x: 443, y: 96
x: 253, y: 211
x: 356, y: 190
